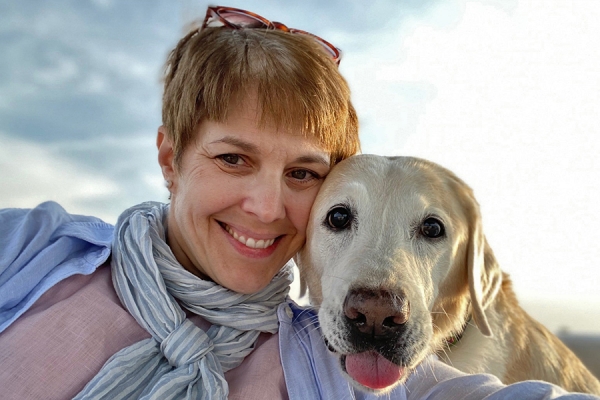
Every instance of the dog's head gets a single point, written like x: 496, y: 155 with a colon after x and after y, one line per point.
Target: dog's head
x: 395, y: 258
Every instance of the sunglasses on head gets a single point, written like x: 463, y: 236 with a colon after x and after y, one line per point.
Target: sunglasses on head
x: 235, y: 18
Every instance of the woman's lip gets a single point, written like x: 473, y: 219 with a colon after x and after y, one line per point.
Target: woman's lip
x: 249, y: 252
x: 247, y: 240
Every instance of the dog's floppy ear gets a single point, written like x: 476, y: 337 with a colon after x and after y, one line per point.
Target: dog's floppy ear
x: 301, y: 259
x: 484, y: 274
x: 303, y: 286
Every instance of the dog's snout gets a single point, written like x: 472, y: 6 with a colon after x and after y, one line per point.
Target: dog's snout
x: 376, y: 312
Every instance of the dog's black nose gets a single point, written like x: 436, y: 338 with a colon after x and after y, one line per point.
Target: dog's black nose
x: 376, y: 312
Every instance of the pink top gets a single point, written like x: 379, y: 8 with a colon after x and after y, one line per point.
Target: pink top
x: 62, y: 341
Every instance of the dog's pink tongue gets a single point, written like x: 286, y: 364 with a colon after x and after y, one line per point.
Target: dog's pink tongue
x: 372, y: 370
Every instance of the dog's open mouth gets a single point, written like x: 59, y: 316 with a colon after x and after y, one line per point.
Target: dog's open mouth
x: 372, y: 370
x: 372, y: 337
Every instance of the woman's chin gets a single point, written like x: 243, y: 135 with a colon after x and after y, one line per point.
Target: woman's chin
x: 247, y: 286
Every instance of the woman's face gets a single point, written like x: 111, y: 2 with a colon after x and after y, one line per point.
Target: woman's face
x: 241, y: 199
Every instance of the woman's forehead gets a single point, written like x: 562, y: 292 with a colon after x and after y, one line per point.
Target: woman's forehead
x: 246, y: 110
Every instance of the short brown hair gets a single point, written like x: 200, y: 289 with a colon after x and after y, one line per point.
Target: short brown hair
x: 297, y: 83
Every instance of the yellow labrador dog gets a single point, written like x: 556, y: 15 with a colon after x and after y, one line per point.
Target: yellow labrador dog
x: 397, y: 262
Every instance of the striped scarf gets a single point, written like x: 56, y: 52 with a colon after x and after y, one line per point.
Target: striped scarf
x: 180, y: 360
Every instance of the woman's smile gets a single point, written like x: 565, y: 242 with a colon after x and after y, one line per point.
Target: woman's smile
x: 249, y: 241
x: 252, y: 252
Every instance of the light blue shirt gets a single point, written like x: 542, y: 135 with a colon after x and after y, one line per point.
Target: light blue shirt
x: 42, y: 246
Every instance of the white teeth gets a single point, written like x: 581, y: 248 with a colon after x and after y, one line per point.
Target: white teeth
x: 250, y: 242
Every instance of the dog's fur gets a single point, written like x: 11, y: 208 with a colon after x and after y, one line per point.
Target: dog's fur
x: 451, y: 285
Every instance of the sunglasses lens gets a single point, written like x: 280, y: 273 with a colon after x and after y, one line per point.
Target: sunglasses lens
x: 241, y: 19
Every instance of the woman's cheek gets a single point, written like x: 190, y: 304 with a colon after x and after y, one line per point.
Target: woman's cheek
x: 305, y: 208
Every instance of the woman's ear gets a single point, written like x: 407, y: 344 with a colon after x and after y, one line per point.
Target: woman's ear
x: 166, y: 156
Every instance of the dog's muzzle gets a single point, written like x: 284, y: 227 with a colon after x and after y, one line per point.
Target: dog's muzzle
x: 375, y: 321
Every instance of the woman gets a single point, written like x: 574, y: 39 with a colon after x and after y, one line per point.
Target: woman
x: 253, y: 119
x: 184, y: 300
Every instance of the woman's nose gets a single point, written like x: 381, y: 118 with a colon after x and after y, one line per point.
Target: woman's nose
x: 265, y: 199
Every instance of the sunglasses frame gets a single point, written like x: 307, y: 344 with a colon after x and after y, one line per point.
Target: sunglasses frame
x: 214, y: 13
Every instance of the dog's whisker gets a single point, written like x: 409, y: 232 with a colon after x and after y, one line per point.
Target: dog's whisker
x: 306, y: 311
x: 337, y: 277
x: 432, y: 370
x: 314, y: 324
x: 445, y: 349
x: 351, y: 391
x: 443, y: 313
x: 308, y: 328
x: 307, y: 331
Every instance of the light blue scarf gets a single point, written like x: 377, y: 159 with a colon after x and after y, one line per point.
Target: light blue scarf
x: 180, y: 361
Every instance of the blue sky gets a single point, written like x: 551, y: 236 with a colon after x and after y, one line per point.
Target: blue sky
x: 505, y: 93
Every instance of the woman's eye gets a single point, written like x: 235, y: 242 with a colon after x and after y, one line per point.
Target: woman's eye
x: 232, y: 159
x: 302, y: 175
x: 432, y: 228
x: 299, y: 174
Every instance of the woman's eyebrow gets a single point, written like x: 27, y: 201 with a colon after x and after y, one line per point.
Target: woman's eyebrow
x: 313, y: 159
x: 249, y: 147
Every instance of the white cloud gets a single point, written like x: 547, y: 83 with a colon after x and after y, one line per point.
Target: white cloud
x: 33, y: 173
x: 510, y: 102
x: 60, y: 72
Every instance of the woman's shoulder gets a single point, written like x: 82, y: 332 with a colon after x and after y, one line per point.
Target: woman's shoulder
x: 47, y: 215
x: 62, y: 341
x: 40, y: 247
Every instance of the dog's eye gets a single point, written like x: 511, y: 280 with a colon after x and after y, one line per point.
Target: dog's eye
x: 339, y: 218
x: 432, y: 228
